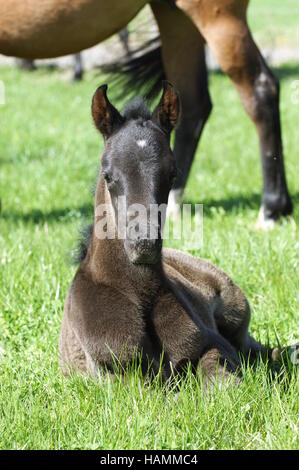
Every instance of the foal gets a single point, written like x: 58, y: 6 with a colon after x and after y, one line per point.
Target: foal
x: 129, y: 295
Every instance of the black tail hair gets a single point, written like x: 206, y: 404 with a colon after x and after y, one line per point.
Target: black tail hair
x: 140, y: 73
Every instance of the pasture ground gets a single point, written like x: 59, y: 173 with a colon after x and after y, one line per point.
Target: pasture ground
x: 49, y: 157
x: 274, y: 23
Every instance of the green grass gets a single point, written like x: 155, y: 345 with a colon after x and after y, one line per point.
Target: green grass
x: 49, y: 155
x: 274, y: 22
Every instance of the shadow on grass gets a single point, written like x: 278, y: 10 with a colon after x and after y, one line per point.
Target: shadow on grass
x: 37, y: 216
x: 230, y: 204
x: 286, y: 71
x: 233, y: 204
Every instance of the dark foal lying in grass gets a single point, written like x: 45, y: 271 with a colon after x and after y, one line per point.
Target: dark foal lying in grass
x: 129, y: 295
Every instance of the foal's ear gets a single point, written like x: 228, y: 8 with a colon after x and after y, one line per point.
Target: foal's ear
x: 105, y: 116
x: 167, y: 112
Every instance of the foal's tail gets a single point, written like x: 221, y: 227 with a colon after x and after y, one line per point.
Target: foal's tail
x: 140, y: 73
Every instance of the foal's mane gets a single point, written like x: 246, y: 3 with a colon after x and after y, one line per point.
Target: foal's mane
x: 135, y: 109
x: 82, y: 246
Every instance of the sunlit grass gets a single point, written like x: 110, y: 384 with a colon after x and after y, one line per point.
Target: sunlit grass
x: 274, y: 23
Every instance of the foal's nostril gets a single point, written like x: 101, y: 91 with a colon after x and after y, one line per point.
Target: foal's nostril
x: 144, y: 245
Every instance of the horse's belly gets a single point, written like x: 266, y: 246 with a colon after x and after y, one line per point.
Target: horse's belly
x: 53, y: 28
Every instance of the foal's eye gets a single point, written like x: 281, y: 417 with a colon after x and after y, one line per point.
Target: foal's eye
x: 108, y: 178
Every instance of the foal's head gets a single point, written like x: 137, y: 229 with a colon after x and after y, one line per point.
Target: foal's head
x: 138, y: 166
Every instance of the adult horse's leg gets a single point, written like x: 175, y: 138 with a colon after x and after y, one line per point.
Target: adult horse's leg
x: 184, y: 64
x: 26, y: 64
x: 78, y: 67
x: 124, y: 39
x: 225, y: 29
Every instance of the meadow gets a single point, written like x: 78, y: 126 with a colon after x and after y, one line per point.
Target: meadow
x: 274, y: 23
x: 49, y: 160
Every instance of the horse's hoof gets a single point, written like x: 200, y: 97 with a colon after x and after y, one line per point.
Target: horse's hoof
x: 264, y: 223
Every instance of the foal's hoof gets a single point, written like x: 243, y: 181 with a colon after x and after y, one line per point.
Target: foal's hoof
x: 275, y: 355
x: 287, y: 355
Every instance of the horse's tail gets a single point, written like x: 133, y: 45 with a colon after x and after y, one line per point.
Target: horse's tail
x: 140, y: 73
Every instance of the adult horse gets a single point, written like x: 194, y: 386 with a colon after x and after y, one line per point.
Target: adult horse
x: 52, y: 28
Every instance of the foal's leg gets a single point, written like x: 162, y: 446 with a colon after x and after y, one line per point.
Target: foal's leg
x: 225, y: 29
x: 219, y: 362
x: 103, y: 329
x: 184, y: 64
x: 216, y: 370
x: 228, y: 304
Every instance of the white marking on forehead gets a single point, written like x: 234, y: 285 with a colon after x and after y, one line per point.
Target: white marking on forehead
x: 141, y: 143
